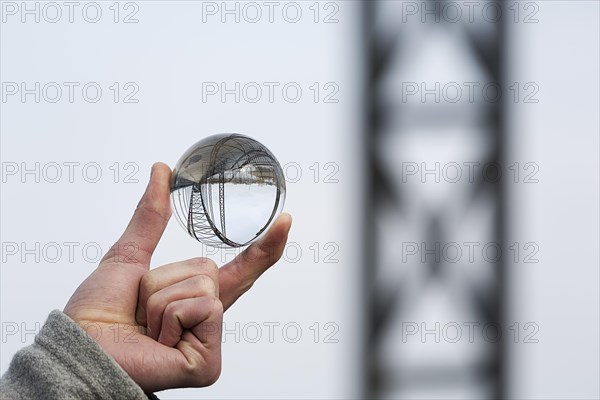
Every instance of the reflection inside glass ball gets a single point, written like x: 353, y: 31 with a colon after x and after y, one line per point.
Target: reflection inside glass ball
x: 227, y: 190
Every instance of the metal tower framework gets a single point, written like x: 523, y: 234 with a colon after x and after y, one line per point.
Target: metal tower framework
x: 404, y: 294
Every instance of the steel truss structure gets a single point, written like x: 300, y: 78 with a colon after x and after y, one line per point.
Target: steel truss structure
x: 430, y: 317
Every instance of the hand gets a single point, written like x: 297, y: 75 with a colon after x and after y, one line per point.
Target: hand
x: 163, y: 327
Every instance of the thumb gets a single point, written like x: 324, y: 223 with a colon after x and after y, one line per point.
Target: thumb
x: 238, y: 276
x: 137, y: 243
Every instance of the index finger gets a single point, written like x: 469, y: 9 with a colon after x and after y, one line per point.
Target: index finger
x: 237, y: 276
x: 148, y: 222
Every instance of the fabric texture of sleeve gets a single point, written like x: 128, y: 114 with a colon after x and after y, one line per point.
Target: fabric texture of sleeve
x: 65, y: 363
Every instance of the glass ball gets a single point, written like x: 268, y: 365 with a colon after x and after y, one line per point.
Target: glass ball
x: 227, y: 190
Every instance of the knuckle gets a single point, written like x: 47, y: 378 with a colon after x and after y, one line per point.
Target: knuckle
x: 204, y: 372
x: 207, y: 372
x: 204, y: 264
x: 213, y: 373
x: 244, y: 281
x: 153, y: 206
x: 216, y: 306
x: 148, y: 284
x: 262, y: 252
x: 204, y: 283
x: 153, y: 304
x: 171, y: 309
x: 198, y: 261
x: 211, y: 305
x: 212, y: 266
x: 172, y: 313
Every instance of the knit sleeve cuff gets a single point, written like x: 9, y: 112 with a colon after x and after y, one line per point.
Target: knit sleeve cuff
x: 64, y: 362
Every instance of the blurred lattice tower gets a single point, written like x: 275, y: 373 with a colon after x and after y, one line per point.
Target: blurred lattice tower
x: 401, y: 49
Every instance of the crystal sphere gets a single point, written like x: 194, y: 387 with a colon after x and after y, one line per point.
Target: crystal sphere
x: 227, y: 190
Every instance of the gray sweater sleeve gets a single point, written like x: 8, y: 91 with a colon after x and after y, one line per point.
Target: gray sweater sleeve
x: 65, y: 363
